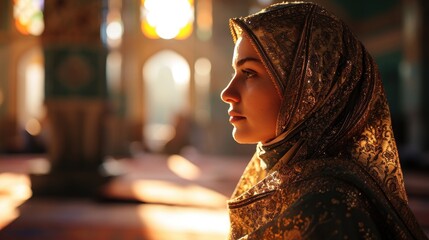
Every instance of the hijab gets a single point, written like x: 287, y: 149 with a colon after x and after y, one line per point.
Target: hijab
x: 333, y: 102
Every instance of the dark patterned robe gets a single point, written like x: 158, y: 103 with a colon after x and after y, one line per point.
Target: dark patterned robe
x: 333, y: 172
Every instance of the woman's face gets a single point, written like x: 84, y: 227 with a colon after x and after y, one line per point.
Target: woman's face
x: 253, y: 100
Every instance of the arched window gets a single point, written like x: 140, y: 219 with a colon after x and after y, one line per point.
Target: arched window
x: 166, y: 79
x: 31, y: 91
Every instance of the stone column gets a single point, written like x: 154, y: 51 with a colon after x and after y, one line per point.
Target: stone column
x: 75, y: 97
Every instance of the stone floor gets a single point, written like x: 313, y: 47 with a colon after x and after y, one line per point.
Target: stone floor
x: 154, y: 197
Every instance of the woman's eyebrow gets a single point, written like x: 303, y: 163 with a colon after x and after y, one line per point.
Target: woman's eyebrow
x: 246, y: 59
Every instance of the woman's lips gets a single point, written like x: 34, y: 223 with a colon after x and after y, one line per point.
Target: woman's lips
x: 235, y: 116
x: 233, y: 119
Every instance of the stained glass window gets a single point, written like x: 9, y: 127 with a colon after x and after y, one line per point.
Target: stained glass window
x: 167, y: 19
x: 28, y: 16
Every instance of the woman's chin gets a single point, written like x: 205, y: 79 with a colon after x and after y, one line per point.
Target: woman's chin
x: 243, y: 140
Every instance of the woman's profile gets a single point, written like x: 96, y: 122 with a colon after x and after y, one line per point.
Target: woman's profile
x: 326, y: 166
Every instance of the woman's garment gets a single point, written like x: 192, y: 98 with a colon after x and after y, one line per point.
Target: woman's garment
x: 333, y: 172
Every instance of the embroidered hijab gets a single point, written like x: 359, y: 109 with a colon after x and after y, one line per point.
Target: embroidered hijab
x: 334, y: 123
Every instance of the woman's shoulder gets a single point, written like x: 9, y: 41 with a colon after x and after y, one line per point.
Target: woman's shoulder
x: 323, y: 208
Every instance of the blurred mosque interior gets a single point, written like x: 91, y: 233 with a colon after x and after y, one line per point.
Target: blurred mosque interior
x: 111, y: 125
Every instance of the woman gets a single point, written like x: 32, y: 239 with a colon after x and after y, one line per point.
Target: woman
x: 326, y: 165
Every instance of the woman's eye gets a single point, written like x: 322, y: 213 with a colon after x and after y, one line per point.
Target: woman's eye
x: 248, y: 73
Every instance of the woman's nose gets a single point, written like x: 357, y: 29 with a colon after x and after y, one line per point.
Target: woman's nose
x: 230, y: 93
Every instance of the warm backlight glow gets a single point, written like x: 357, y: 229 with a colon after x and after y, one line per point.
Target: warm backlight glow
x: 33, y: 127
x: 203, y: 66
x: 158, y: 191
x: 14, y: 190
x: 29, y: 16
x: 167, y: 19
x: 183, y: 168
x: 34, y: 88
x: 114, y: 30
x: 113, y: 70
x: 184, y: 223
